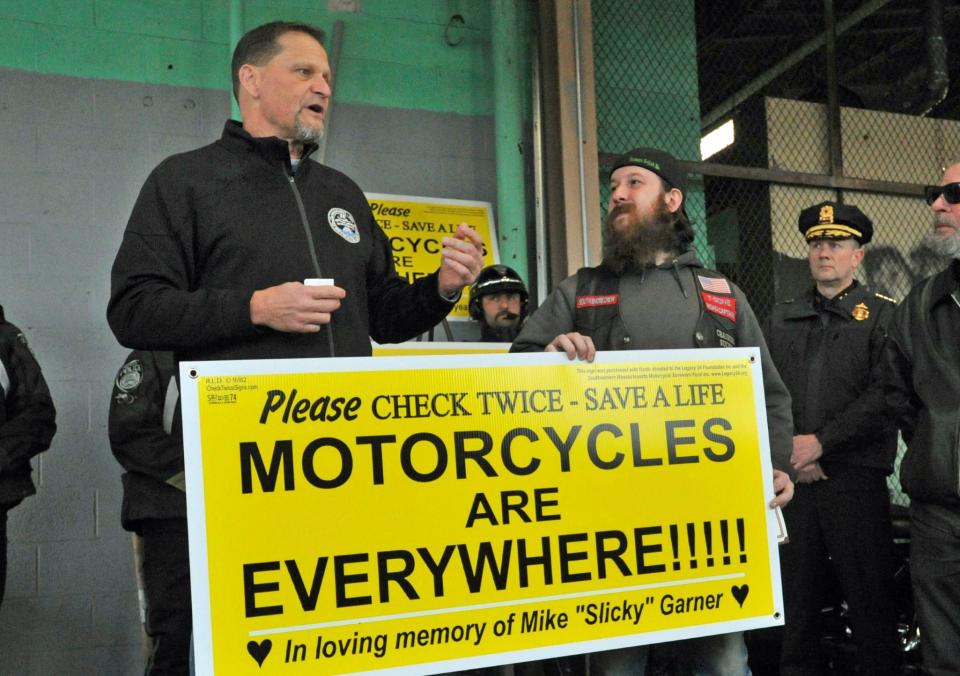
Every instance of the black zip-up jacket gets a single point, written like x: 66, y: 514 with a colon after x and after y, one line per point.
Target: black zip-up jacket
x: 922, y: 365
x: 27, y: 415
x: 839, y: 346
x: 213, y: 225
x: 144, y: 441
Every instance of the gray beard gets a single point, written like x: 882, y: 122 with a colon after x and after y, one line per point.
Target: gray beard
x: 949, y: 247
x: 303, y: 133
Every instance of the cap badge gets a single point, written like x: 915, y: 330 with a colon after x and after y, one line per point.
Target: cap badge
x: 826, y: 214
x: 860, y: 312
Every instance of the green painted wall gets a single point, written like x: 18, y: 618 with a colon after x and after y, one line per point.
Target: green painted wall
x: 394, y: 52
x: 645, y: 60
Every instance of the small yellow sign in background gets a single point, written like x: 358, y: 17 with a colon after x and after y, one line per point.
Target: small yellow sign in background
x: 412, y: 515
x: 417, y: 225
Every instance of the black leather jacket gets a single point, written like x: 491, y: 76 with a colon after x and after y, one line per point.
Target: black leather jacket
x: 922, y: 360
x: 27, y: 415
x: 145, y: 438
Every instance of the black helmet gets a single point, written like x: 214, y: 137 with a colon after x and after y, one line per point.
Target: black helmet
x: 496, y: 279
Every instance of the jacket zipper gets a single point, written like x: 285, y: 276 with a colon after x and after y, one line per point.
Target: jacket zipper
x: 306, y: 226
x: 312, y: 246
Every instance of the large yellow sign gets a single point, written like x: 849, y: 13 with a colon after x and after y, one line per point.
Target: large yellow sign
x: 417, y: 225
x: 411, y: 515
x: 414, y: 348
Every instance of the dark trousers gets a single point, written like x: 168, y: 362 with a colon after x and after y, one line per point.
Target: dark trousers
x: 935, y: 575
x: 845, y: 517
x: 166, y: 581
x: 3, y: 552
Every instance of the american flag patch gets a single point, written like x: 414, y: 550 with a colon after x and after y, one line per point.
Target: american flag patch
x: 715, y: 284
x: 598, y: 301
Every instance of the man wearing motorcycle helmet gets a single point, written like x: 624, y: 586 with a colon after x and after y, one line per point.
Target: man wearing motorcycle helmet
x: 498, y: 300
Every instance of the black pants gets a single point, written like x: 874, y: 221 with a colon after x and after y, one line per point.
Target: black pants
x: 3, y: 552
x: 845, y: 517
x: 166, y: 581
x: 935, y: 574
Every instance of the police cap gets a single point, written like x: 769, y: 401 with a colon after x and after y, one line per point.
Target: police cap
x: 835, y: 221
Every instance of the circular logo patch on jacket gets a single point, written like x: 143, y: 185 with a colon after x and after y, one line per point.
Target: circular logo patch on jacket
x: 128, y: 380
x: 343, y: 224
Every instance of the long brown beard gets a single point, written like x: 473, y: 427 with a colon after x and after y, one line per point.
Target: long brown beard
x: 639, y: 239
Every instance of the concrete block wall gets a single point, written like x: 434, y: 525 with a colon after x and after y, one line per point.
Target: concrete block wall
x: 76, y: 153
x: 93, y: 94
x: 68, y: 191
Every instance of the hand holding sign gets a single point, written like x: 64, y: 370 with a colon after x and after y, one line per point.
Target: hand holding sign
x: 782, y: 488
x: 514, y: 524
x: 575, y: 345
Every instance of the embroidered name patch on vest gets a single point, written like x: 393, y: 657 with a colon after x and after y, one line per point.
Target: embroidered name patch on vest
x: 725, y: 306
x: 598, y: 301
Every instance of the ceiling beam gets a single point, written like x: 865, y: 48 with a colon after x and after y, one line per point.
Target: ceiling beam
x: 792, y: 59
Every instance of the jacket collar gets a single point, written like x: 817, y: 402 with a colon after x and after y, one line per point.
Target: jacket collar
x: 841, y: 305
x: 688, y: 259
x: 270, y: 148
x: 844, y: 303
x: 945, y: 283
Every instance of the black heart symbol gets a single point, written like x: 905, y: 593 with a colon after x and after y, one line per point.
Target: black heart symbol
x: 740, y: 593
x: 259, y: 651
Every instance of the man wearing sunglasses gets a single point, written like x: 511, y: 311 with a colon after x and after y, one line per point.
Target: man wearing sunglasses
x: 922, y: 361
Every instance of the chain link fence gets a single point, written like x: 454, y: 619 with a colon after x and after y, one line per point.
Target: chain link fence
x: 668, y: 73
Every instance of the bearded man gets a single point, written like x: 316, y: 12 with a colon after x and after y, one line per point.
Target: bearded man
x: 498, y: 301
x: 922, y: 364
x: 651, y: 292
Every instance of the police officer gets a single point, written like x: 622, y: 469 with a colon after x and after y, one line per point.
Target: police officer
x: 142, y: 412
x: 827, y: 345
x: 27, y: 425
x: 498, y: 300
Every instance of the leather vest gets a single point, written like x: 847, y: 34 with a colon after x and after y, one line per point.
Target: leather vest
x: 598, y: 309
